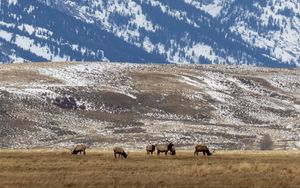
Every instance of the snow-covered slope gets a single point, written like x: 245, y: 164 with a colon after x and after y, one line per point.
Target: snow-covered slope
x: 31, y: 31
x: 272, y: 25
x: 175, y: 31
x: 103, y: 104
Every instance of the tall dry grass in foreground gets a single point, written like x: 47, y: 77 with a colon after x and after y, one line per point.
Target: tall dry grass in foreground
x: 100, y: 169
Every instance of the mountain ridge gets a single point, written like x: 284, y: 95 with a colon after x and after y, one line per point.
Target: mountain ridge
x: 187, y: 31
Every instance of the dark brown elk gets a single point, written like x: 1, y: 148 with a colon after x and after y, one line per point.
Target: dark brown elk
x: 164, y: 148
x: 120, y: 151
x: 150, y: 149
x: 202, y: 148
x: 78, y: 149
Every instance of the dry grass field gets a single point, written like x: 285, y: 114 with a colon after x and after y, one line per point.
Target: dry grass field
x: 52, y: 168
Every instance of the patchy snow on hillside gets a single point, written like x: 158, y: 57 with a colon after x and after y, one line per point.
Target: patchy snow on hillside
x: 203, y: 50
x: 102, y: 104
x: 180, y: 15
x: 29, y: 44
x: 86, y: 75
x: 211, y: 7
x: 281, y: 36
x: 103, y: 13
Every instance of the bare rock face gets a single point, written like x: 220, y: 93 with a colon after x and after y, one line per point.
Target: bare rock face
x: 103, y: 104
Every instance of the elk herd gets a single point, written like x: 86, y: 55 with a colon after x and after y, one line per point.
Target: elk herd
x: 160, y: 148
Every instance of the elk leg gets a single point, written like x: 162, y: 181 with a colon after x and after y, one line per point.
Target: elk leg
x: 203, y: 153
x: 83, y: 152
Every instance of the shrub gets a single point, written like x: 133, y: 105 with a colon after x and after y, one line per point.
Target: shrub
x: 266, y: 143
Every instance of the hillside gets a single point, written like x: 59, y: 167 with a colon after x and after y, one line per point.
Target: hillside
x: 263, y: 33
x: 102, y: 104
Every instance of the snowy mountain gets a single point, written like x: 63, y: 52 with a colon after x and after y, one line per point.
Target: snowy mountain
x: 264, y: 33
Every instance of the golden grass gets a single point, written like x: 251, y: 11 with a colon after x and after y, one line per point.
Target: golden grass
x: 43, y: 168
x: 20, y: 74
x: 157, y: 81
x: 20, y: 77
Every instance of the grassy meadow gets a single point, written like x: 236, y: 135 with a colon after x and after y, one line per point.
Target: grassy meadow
x: 58, y: 168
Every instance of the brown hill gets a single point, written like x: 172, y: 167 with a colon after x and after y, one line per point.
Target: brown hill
x: 101, y: 104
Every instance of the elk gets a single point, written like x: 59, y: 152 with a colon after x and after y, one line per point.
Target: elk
x: 120, y: 151
x: 150, y: 149
x: 173, y: 151
x: 202, y: 148
x: 78, y: 149
x: 165, y: 148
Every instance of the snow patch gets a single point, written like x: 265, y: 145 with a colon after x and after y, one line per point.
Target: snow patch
x: 12, y: 2
x: 213, y: 7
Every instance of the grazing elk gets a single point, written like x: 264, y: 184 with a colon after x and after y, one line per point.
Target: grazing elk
x: 120, y: 151
x: 202, y: 148
x: 173, y: 151
x: 165, y: 148
x: 78, y: 149
x: 150, y: 149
